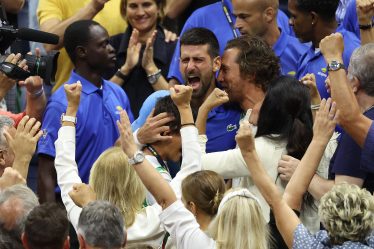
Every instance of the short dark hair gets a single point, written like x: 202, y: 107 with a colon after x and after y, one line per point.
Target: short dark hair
x: 166, y: 104
x: 201, y: 36
x: 47, y: 226
x: 324, y: 8
x: 256, y: 59
x: 77, y: 34
x: 286, y: 112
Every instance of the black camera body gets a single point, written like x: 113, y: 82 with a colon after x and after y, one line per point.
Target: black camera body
x: 43, y: 66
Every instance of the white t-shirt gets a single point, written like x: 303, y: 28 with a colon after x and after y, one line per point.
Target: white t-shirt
x: 184, y: 229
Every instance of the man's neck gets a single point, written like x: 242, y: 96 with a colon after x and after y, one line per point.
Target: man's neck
x: 326, y: 28
x: 272, y: 35
x: 365, y: 101
x: 93, y: 77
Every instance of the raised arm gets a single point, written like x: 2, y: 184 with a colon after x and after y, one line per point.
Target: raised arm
x: 23, y: 143
x: 153, y: 181
x: 216, y: 98
x: 57, y: 26
x: 66, y: 167
x: 351, y: 119
x: 365, y: 13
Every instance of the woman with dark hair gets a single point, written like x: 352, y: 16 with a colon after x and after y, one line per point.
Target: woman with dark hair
x: 284, y: 127
x: 143, y: 55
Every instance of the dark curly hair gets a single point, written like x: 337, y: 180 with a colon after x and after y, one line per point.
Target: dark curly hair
x: 324, y: 8
x: 166, y: 104
x: 256, y: 59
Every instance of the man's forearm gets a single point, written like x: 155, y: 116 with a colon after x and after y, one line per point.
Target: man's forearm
x: 59, y: 27
x: 319, y: 186
x: 35, y: 106
x: 12, y: 6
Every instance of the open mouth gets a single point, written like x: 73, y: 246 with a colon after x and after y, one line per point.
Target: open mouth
x: 193, y: 81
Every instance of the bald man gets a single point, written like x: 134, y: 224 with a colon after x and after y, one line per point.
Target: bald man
x: 259, y: 17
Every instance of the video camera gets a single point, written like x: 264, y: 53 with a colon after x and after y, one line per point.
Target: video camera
x: 43, y: 66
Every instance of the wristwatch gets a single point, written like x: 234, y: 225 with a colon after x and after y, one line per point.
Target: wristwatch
x: 137, y: 158
x: 71, y: 119
x: 335, y: 65
x: 153, y: 78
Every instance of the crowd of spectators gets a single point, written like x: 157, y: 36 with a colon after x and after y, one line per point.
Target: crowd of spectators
x: 186, y: 124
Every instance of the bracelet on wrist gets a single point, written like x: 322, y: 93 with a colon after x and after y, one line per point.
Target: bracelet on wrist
x: 366, y: 26
x: 121, y: 75
x: 37, y: 93
x: 315, y: 107
x: 187, y: 124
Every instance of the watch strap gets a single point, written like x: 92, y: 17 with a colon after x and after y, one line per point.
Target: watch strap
x: 121, y: 75
x: 153, y: 78
x: 71, y: 119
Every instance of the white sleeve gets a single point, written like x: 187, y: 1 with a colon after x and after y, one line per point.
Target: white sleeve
x: 184, y: 229
x: 191, y: 158
x: 229, y: 164
x: 138, y: 144
x: 67, y: 170
x: 203, y: 139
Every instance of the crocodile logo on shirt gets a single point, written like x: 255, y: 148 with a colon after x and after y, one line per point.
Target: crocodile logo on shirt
x: 231, y: 127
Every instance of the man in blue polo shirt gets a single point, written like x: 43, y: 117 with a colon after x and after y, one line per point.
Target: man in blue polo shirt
x: 87, y: 44
x: 258, y: 17
x: 313, y: 20
x: 199, y: 62
x: 218, y: 18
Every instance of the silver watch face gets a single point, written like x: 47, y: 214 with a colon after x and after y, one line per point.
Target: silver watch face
x: 139, y: 157
x: 152, y: 79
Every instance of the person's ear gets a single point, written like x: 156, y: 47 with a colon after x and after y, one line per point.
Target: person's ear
x: 82, y: 242
x: 217, y: 64
x: 67, y: 243
x: 314, y: 17
x: 269, y: 14
x: 2, y: 159
x: 80, y: 51
x: 355, y: 83
x: 124, y: 242
x: 192, y: 207
x: 24, y: 241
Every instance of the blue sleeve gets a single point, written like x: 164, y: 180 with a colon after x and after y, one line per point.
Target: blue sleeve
x: 347, y: 158
x: 303, y: 239
x: 174, y: 71
x: 350, y: 21
x: 128, y: 108
x: 50, y: 126
x: 367, y: 157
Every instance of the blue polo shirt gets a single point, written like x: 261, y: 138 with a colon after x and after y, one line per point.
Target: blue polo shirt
x: 222, y: 123
x: 96, y: 128
x: 313, y: 62
x: 213, y: 18
x: 289, y: 50
x: 350, y: 21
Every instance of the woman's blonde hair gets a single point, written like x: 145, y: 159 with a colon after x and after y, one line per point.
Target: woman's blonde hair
x: 205, y: 189
x: 114, y: 180
x: 347, y: 213
x: 239, y: 224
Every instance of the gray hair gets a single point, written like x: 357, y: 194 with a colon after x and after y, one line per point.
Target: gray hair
x: 361, y: 66
x: 5, y: 121
x: 16, y: 202
x: 102, y: 225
